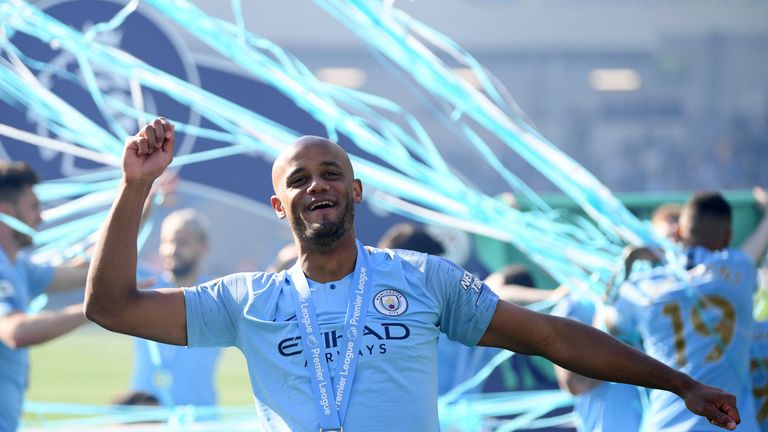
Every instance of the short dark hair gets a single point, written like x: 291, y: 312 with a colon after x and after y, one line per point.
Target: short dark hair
x: 708, y: 204
x: 706, y: 220
x: 14, y: 177
x: 412, y: 237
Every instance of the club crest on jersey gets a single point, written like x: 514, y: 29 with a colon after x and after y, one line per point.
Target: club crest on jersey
x: 6, y: 288
x: 390, y: 302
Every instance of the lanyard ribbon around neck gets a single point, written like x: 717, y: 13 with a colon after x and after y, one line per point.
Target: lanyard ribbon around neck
x: 332, y: 409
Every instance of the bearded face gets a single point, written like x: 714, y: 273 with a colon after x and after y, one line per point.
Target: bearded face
x: 27, y: 210
x: 182, y: 249
x: 315, y: 190
x: 182, y: 268
x: 322, y: 234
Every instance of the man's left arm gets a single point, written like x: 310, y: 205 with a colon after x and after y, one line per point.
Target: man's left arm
x: 592, y: 353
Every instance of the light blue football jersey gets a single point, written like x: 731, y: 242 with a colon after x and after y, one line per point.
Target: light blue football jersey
x: 702, y: 327
x: 759, y: 370
x: 414, y: 298
x: 609, y: 406
x: 20, y: 282
x: 183, y: 376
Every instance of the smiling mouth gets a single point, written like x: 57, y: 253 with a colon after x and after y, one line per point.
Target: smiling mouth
x: 320, y: 205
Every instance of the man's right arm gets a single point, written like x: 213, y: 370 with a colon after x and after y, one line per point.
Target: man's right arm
x: 19, y: 330
x: 112, y: 299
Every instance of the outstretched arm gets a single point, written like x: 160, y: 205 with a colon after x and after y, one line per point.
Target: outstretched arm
x: 111, y: 298
x: 18, y: 329
x: 594, y: 354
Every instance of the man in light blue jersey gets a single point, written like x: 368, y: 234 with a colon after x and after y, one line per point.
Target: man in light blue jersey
x: 173, y: 374
x: 347, y: 337
x: 20, y: 282
x: 697, y: 320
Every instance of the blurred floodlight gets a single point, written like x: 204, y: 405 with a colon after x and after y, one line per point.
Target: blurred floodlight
x: 353, y: 78
x: 614, y: 79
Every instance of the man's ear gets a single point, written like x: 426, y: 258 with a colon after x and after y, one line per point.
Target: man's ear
x: 357, y: 191
x: 278, y: 206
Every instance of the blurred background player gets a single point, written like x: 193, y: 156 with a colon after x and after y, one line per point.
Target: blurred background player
x: 177, y: 375
x: 21, y: 280
x: 700, y: 324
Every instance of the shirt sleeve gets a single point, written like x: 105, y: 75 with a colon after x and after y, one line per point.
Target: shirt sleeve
x: 466, y: 303
x: 212, y: 311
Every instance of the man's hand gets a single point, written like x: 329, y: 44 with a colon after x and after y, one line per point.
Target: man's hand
x: 149, y: 152
x: 716, y: 405
x: 761, y: 197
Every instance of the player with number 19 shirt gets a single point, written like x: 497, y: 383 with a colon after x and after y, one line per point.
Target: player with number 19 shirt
x: 702, y: 327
